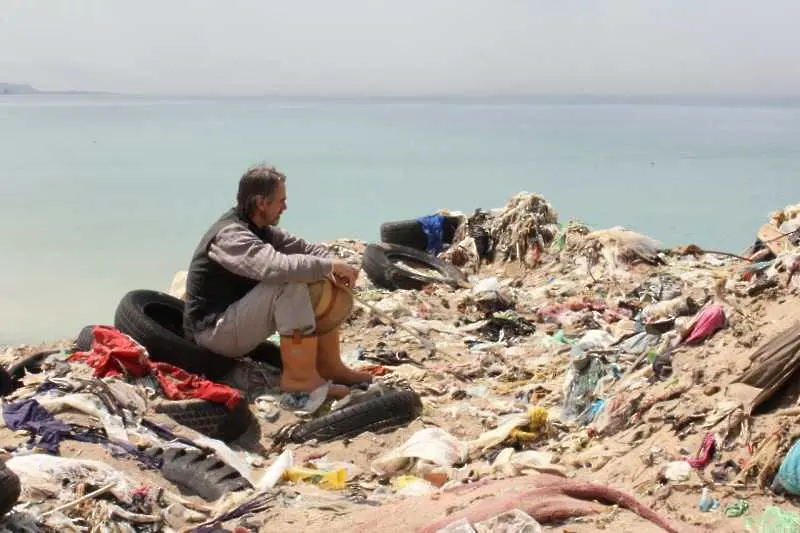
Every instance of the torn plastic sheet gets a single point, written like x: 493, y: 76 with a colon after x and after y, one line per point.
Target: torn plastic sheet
x: 46, y: 474
x: 430, y: 444
x: 500, y: 434
x: 91, y: 405
x: 233, y: 459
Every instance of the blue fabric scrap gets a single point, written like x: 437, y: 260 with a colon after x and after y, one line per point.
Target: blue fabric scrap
x: 433, y: 226
x: 30, y: 415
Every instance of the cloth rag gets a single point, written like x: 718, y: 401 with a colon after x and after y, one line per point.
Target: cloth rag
x: 433, y: 227
x: 115, y: 354
x: 707, y: 322
x: 706, y: 452
x: 29, y: 415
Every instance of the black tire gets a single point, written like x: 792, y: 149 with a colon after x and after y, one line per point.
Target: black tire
x: 205, y: 475
x: 83, y: 343
x: 410, y: 233
x: 155, y: 320
x: 384, y: 273
x: 392, y: 410
x: 7, y: 383
x: 32, y: 363
x: 211, y: 419
x: 9, y: 489
x: 10, y: 377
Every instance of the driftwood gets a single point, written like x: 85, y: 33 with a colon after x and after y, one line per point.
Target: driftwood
x: 772, y: 364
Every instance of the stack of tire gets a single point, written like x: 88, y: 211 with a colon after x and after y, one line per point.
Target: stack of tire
x: 405, y: 240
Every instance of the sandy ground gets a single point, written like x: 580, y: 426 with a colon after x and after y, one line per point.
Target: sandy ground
x: 631, y: 459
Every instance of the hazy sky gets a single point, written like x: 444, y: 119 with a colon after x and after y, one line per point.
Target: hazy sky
x: 403, y: 46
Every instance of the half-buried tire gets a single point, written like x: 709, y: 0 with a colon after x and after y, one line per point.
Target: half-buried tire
x: 209, y: 418
x: 204, y: 475
x: 381, y: 268
x: 155, y: 320
x: 10, y: 377
x: 392, y: 410
x: 83, y: 343
x: 9, y: 489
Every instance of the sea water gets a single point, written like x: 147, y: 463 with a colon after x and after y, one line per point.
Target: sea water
x: 103, y: 194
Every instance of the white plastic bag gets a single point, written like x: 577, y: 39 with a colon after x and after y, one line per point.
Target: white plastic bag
x: 430, y: 444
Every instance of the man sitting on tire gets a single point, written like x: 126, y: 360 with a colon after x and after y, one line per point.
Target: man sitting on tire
x: 248, y: 279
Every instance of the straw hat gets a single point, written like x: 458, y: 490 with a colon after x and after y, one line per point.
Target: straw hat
x: 332, y: 305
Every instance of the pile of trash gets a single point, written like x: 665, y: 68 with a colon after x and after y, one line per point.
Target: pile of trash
x: 525, y: 226
x: 608, y: 383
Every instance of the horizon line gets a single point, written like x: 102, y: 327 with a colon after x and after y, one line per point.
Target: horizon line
x: 642, y: 97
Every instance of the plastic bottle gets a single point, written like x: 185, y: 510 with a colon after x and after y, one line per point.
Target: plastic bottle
x: 706, y: 502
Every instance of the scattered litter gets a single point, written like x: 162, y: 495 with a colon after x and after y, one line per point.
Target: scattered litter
x: 572, y: 355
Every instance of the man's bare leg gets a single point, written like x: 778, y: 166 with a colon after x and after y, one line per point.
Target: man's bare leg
x: 330, y: 365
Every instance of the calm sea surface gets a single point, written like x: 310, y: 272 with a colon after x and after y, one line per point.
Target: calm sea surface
x: 103, y: 194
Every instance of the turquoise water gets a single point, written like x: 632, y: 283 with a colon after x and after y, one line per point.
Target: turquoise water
x: 100, y: 195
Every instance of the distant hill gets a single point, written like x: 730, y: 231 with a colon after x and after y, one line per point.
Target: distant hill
x: 23, y: 88
x: 17, y: 88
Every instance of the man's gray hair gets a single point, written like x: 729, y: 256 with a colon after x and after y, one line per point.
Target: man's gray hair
x: 258, y: 180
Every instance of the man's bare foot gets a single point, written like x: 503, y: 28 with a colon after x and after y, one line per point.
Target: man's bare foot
x: 346, y: 376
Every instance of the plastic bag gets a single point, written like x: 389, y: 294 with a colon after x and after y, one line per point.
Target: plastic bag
x: 430, y: 444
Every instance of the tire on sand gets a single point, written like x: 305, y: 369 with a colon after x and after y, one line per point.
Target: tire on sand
x: 205, y: 475
x: 381, y: 268
x: 392, y: 410
x: 410, y: 233
x: 209, y: 418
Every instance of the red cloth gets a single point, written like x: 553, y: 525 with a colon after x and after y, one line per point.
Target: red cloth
x: 375, y: 370
x: 115, y: 354
x: 707, y: 322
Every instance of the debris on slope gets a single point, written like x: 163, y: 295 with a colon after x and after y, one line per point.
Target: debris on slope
x: 607, y: 373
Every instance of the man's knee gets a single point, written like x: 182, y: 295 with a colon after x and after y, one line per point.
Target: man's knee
x: 293, y: 310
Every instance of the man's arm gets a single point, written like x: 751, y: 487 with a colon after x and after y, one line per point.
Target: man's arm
x: 287, y: 243
x: 239, y: 250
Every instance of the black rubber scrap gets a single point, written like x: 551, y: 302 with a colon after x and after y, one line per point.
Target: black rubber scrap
x: 209, y: 418
x: 9, y: 489
x: 203, y: 474
x: 391, y: 410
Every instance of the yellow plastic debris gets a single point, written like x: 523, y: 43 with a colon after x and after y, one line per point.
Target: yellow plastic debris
x: 538, y: 416
x: 401, y: 482
x: 536, y: 427
x: 330, y: 479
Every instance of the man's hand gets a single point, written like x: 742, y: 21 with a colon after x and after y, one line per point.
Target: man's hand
x: 344, y: 273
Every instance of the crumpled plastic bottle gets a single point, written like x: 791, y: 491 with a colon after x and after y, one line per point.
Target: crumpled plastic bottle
x: 706, y: 502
